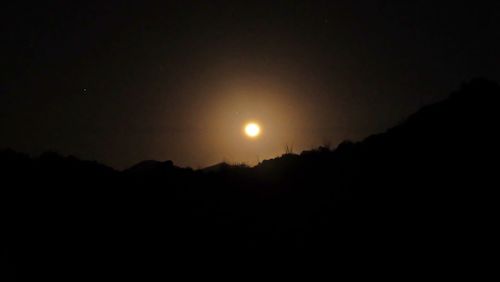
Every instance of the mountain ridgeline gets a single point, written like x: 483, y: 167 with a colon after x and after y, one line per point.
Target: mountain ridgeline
x: 425, y: 186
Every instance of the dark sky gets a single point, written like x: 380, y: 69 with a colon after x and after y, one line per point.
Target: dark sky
x: 121, y: 82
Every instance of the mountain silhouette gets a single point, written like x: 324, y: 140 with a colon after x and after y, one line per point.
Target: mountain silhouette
x: 423, y: 189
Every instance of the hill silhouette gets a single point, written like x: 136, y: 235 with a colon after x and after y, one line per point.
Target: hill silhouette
x: 422, y: 189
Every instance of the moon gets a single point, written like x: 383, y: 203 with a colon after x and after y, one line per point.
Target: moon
x: 252, y: 130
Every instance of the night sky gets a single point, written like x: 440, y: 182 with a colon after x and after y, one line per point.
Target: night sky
x: 124, y: 81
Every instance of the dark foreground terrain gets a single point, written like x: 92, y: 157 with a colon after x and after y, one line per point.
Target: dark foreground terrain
x: 421, y: 195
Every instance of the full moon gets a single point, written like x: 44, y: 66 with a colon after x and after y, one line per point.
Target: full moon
x: 252, y: 130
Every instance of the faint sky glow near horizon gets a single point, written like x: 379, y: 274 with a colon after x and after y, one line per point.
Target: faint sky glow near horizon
x: 250, y: 94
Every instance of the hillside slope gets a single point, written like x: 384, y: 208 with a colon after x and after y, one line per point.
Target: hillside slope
x: 425, y: 186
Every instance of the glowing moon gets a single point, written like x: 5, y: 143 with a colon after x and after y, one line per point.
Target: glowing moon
x: 252, y: 130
